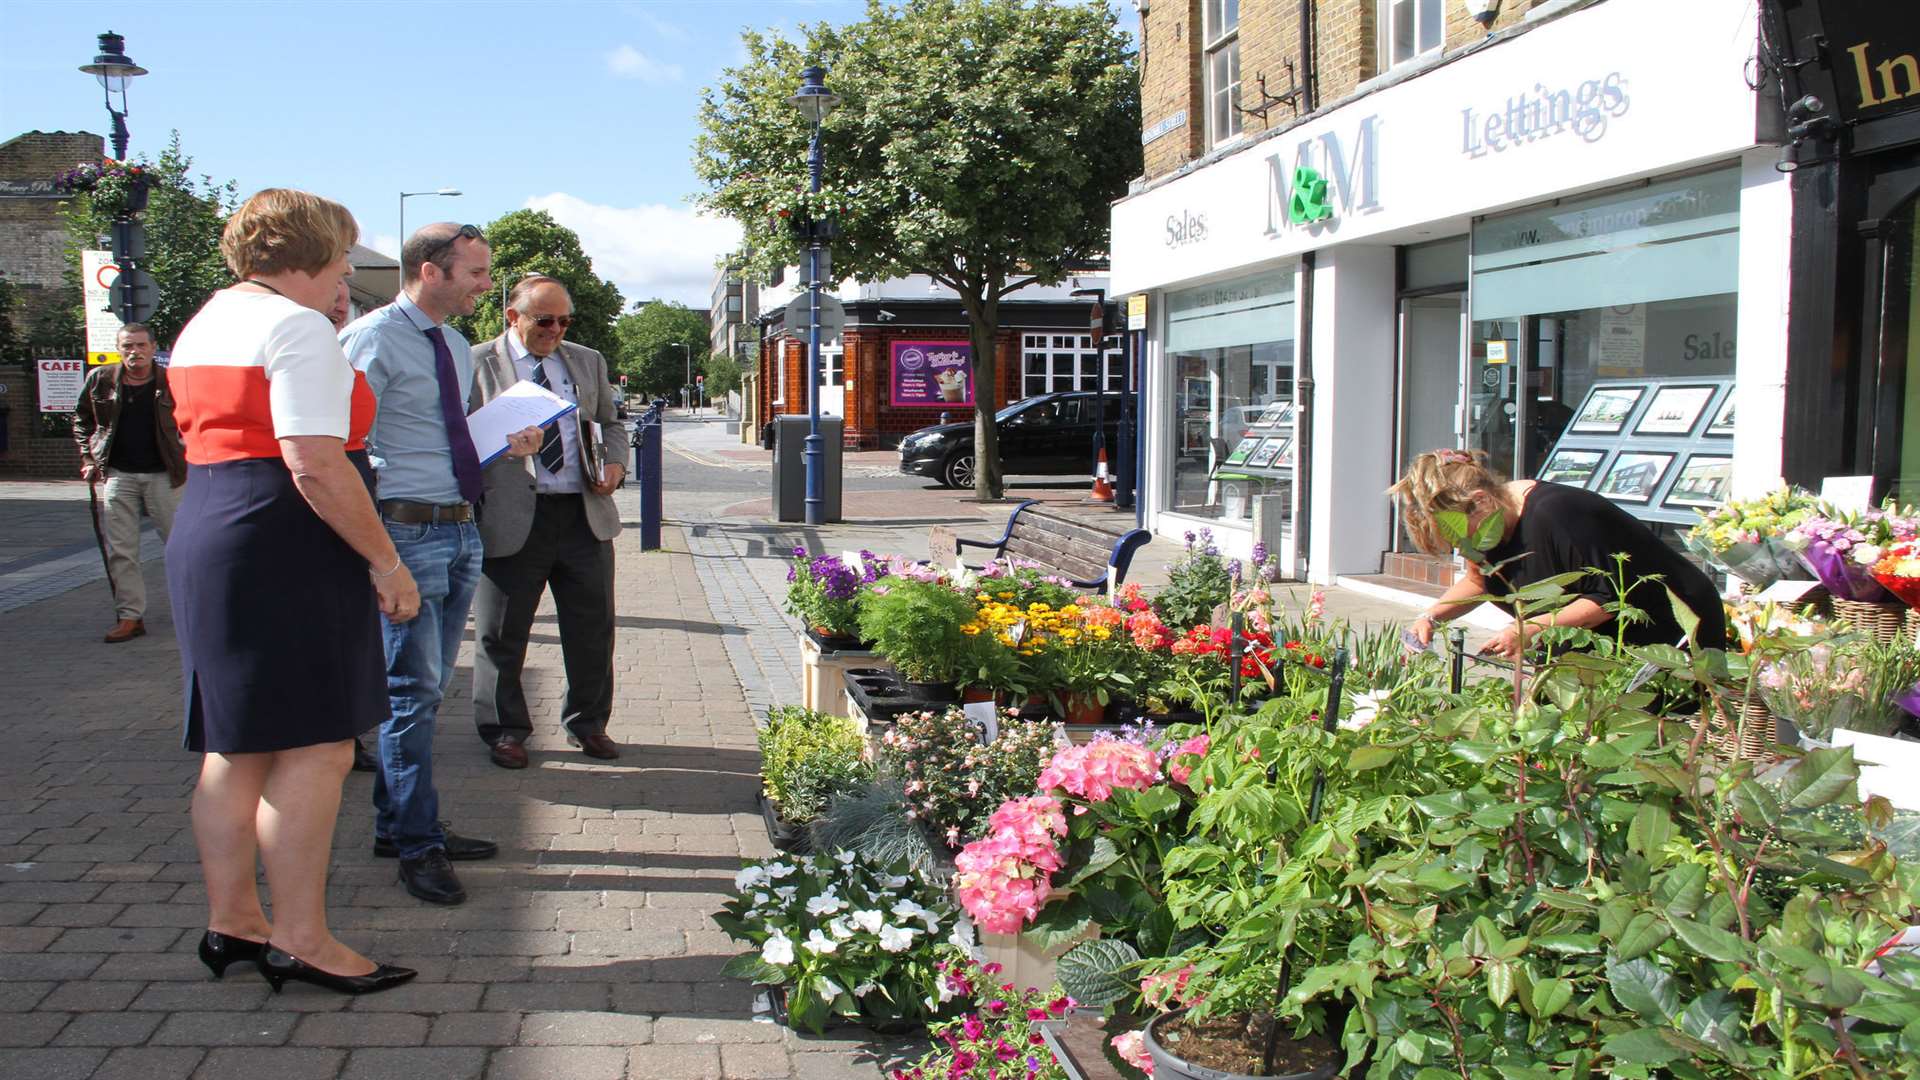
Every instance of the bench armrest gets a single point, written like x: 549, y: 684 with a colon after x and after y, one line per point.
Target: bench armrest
x: 1123, y: 549
x: 1005, y: 536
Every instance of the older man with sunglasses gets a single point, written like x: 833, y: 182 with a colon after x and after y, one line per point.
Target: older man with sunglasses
x: 550, y: 525
x: 421, y: 370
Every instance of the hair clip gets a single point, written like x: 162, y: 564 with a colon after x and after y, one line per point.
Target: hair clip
x: 1454, y: 457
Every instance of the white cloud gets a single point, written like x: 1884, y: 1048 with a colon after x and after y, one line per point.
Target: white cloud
x: 627, y: 62
x: 386, y: 244
x: 648, y: 251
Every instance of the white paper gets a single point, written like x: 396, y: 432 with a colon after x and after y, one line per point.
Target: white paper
x: 596, y: 457
x: 851, y: 560
x: 1785, y: 592
x: 520, y: 406
x: 982, y: 713
x: 1847, y: 492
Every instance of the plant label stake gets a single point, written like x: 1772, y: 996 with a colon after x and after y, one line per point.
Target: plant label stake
x: 1236, y: 647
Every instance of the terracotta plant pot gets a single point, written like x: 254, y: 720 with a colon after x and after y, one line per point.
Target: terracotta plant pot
x: 974, y: 694
x: 1083, y: 709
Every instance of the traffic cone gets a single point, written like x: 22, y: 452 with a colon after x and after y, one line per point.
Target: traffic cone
x: 1102, y: 490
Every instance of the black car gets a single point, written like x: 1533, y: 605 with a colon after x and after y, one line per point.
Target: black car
x: 1044, y: 435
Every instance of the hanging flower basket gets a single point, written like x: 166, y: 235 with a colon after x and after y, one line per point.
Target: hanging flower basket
x: 115, y: 187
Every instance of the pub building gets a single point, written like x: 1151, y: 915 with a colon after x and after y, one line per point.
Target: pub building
x: 1850, y: 97
x: 1565, y: 245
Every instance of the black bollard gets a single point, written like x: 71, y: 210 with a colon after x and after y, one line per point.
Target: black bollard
x: 647, y: 439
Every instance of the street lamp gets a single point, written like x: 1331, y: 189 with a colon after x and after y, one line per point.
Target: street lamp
x: 113, y: 68
x: 686, y: 390
x: 814, y: 101
x: 404, y: 196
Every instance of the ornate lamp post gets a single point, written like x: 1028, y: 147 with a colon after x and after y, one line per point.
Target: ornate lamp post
x: 814, y: 101
x: 114, y: 68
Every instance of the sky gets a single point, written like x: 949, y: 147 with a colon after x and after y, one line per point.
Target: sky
x: 584, y: 108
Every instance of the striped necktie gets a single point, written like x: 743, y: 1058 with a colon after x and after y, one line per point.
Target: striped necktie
x: 553, y: 453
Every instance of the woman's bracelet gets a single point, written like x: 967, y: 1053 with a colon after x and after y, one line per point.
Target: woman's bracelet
x: 394, y: 569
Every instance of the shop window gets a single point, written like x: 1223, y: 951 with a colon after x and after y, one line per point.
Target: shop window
x: 1902, y: 331
x: 1409, y: 29
x: 1231, y: 393
x: 833, y: 362
x: 1060, y: 362
x: 1222, y: 70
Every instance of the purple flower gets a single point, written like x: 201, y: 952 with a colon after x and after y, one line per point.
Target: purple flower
x: 1260, y: 553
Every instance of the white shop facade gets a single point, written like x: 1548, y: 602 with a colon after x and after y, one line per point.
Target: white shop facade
x: 1477, y: 256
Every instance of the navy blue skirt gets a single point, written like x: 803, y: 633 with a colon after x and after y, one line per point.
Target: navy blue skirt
x: 279, y: 625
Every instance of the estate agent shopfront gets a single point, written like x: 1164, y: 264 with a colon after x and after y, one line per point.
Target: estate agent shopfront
x: 1572, y: 220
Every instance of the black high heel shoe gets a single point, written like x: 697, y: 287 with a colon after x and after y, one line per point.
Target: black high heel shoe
x: 219, y: 951
x: 281, y: 967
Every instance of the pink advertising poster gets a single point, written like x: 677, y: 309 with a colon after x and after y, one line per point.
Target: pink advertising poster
x: 932, y: 373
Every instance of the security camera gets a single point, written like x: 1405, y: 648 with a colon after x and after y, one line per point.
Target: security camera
x: 887, y: 316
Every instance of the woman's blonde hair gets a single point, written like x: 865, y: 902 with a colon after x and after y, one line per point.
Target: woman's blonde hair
x: 281, y: 229
x: 1443, y: 480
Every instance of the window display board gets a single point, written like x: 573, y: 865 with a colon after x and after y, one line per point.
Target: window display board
x: 1265, y: 450
x: 1661, y: 448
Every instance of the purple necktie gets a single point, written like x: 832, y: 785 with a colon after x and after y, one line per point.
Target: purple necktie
x: 466, y: 463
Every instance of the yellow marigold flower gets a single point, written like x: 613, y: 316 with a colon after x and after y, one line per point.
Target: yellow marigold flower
x: 1102, y: 633
x: 1070, y: 610
x: 1005, y: 595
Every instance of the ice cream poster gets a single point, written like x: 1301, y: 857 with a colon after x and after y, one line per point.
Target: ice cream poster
x: 936, y: 373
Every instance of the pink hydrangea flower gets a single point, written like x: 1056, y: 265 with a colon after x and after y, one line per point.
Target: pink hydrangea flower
x: 1095, y: 770
x: 1179, y: 768
x: 1132, y: 1048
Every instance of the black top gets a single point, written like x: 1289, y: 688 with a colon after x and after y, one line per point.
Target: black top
x: 136, y: 439
x: 1565, y: 529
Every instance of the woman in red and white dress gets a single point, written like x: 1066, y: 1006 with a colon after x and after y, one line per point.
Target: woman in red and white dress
x: 277, y: 567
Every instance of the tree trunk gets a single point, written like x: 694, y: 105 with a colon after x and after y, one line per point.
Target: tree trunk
x: 983, y: 319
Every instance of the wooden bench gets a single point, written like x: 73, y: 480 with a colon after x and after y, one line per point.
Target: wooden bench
x: 1082, y: 552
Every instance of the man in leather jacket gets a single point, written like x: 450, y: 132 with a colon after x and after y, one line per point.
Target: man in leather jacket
x: 129, y: 443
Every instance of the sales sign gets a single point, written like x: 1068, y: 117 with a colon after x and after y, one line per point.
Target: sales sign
x: 932, y: 373
x: 60, y: 384
x: 97, y: 274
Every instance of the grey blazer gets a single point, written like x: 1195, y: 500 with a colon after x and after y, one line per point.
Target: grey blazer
x: 507, y: 515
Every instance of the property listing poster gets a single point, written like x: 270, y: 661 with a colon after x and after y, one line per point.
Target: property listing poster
x: 934, y: 373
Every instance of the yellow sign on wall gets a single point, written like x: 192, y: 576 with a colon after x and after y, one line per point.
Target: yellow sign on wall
x: 94, y: 359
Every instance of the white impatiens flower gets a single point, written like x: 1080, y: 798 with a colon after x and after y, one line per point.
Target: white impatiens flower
x: 864, y: 989
x: 749, y: 877
x: 778, y: 950
x: 825, y: 904
x: 840, y: 928
x: 907, y: 909
x: 818, y: 943
x: 895, y: 881
x: 778, y: 870
x: 1366, y: 709
x: 869, y: 920
x: 896, y: 938
x: 846, y: 857
x: 830, y: 989
x: 786, y: 892
x: 963, y: 938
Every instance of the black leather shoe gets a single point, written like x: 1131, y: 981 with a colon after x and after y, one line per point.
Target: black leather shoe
x: 595, y: 745
x: 430, y: 877
x: 218, y: 951
x: 459, y: 848
x: 362, y: 760
x: 281, y: 968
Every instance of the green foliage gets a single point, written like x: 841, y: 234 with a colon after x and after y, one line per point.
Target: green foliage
x: 874, y: 824
x: 723, y: 375
x: 655, y: 366
x: 183, y: 219
x: 1196, y: 584
x: 952, y: 778
x: 807, y: 759
x: 13, y: 344
x: 949, y: 106
x: 916, y: 624
x: 530, y: 242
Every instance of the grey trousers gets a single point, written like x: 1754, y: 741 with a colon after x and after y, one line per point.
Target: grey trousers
x: 561, y: 554
x: 126, y: 496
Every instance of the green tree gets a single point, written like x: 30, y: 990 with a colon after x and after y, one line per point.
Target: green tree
x: 979, y: 142
x: 13, y: 343
x: 183, y: 220
x: 723, y: 375
x: 531, y: 242
x: 654, y: 365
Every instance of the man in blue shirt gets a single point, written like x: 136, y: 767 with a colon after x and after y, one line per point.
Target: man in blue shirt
x: 421, y: 370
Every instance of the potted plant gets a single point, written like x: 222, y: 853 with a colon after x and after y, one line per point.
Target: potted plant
x: 998, y: 1038
x: 844, y: 936
x: 806, y: 758
x: 112, y: 187
x: 917, y: 625
x: 823, y: 592
x: 952, y: 776
x: 1197, y: 583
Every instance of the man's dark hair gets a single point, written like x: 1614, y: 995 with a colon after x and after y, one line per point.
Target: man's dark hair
x: 138, y: 328
x: 434, y: 243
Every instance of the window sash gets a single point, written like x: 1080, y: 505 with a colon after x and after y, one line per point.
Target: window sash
x: 1223, y: 92
x: 1409, y: 29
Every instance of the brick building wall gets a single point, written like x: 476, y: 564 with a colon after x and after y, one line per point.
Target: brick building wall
x: 1345, y: 55
x: 33, y: 237
x: 872, y: 422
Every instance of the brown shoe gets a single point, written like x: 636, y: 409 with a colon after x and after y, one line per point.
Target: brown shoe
x: 507, y: 753
x: 596, y: 745
x: 125, y: 630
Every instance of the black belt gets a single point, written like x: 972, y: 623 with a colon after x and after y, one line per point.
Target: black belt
x: 419, y: 513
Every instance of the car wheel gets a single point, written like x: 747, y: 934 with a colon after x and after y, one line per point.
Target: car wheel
x: 958, y: 471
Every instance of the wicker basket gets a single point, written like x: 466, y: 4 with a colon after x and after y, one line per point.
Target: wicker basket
x: 1883, y: 619
x: 1912, y: 625
x: 1749, y: 734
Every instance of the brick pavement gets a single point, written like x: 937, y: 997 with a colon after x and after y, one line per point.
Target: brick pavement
x: 584, y: 952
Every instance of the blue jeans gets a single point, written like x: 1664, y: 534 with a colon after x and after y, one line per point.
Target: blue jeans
x: 444, y: 560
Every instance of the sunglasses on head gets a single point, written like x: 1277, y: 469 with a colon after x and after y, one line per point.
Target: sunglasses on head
x: 468, y: 232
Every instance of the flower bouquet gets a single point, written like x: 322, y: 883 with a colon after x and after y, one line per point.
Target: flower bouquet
x: 824, y: 592
x: 1899, y: 571
x: 1840, y: 547
x: 843, y: 935
x: 1744, y: 536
